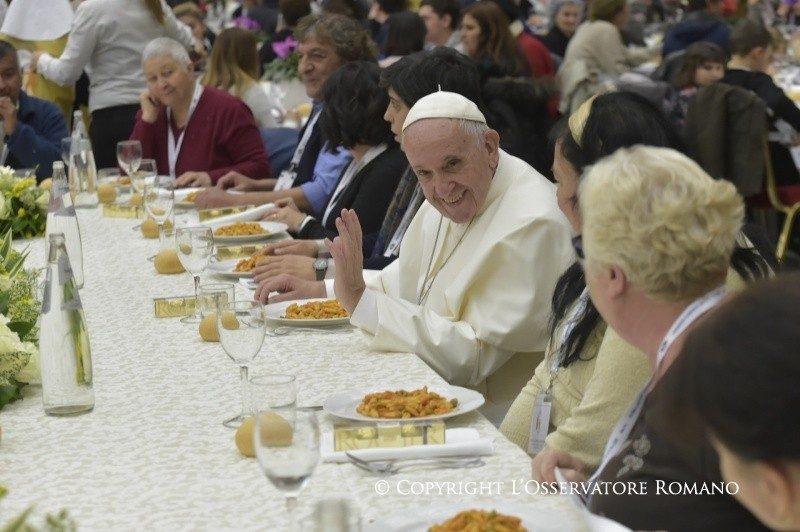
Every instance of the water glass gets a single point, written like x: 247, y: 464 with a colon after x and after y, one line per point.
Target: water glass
x: 242, y: 326
x: 129, y: 156
x: 286, y: 439
x: 83, y: 175
x: 144, y: 175
x: 159, y: 200
x: 194, y: 246
x: 212, y: 295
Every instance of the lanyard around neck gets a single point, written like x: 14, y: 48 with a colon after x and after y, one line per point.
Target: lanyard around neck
x: 173, y: 148
x: 692, y: 313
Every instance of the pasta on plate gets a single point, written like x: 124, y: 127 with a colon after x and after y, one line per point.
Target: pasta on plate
x: 480, y: 521
x: 403, y: 404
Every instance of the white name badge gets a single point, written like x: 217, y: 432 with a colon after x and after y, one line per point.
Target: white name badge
x: 540, y: 423
x: 285, y: 180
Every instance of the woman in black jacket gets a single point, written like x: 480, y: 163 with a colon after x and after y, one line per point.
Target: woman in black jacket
x: 352, y: 117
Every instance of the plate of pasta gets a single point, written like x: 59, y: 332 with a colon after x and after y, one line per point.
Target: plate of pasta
x: 185, y: 197
x: 535, y: 515
x: 240, y: 232
x: 403, y: 403
x: 232, y: 269
x: 308, y: 313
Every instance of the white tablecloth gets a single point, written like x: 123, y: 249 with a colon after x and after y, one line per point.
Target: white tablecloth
x: 154, y: 455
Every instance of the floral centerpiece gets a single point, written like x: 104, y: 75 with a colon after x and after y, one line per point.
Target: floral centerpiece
x: 23, y: 205
x: 284, y: 67
x: 19, y: 311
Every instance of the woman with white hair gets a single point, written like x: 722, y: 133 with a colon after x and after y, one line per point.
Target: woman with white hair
x: 658, y: 234
x: 106, y: 40
x: 564, y: 18
x: 196, y: 134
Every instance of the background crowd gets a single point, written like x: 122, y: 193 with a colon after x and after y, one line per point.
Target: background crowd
x: 579, y: 189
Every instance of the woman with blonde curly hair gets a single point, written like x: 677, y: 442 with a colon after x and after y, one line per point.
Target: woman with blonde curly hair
x: 233, y: 66
x: 658, y: 234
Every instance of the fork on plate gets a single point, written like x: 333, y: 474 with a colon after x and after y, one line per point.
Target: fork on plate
x: 394, y: 466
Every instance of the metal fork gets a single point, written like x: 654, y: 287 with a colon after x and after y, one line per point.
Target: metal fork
x: 394, y: 466
x: 283, y: 331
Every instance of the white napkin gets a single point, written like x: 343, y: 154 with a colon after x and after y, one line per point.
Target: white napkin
x: 460, y: 442
x: 251, y: 215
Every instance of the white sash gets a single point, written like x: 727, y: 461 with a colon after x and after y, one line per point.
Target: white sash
x: 173, y: 148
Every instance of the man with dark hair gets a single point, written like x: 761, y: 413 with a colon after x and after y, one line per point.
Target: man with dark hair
x: 326, y: 43
x: 751, y: 58
x: 441, y: 20
x: 702, y: 23
x: 32, y: 128
x: 379, y: 18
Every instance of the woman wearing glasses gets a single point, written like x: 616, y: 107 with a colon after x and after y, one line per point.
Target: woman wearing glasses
x: 589, y: 376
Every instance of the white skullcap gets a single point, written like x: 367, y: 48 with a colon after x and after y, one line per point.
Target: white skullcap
x: 443, y: 104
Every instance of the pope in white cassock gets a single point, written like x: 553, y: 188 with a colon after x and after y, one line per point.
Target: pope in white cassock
x: 471, y: 290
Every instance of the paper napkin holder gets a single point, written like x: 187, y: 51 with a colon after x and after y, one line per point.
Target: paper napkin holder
x: 354, y: 436
x: 210, y: 214
x: 116, y: 210
x: 174, y: 307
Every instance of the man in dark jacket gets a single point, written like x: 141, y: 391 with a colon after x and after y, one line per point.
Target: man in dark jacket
x: 702, y: 23
x: 32, y: 128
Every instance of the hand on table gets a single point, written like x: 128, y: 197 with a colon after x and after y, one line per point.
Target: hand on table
x: 237, y: 181
x: 349, y: 260
x: 289, y: 215
x: 295, y: 265
x: 305, y: 248
x: 193, y: 179
x: 547, y: 460
x: 288, y: 288
x: 8, y: 113
x: 213, y: 198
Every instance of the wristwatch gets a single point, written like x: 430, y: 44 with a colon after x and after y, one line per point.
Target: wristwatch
x: 321, y: 268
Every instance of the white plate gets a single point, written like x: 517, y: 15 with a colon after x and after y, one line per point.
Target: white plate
x: 182, y: 193
x: 113, y: 180
x: 276, y: 311
x: 272, y: 228
x: 225, y: 269
x: 344, y: 404
x: 542, y: 519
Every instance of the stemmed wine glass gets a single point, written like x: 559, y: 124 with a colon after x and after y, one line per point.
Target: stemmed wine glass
x: 159, y: 200
x: 194, y: 246
x: 286, y: 439
x: 242, y: 326
x: 129, y: 156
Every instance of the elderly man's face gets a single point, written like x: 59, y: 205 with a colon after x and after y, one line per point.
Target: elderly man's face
x: 454, y: 169
x: 10, y: 78
x: 317, y: 62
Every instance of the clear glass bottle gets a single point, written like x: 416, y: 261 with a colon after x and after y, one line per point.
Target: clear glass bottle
x: 64, y: 349
x: 82, y: 173
x: 61, y: 218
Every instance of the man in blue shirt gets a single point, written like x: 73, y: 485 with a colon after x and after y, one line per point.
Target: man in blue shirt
x: 32, y: 128
x: 326, y: 43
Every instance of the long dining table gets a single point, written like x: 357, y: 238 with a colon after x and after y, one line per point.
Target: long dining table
x: 153, y: 453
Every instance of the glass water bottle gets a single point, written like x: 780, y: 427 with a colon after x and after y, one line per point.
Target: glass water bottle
x: 64, y: 349
x: 61, y: 218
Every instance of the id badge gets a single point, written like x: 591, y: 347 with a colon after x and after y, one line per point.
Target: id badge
x: 540, y: 423
x: 285, y: 180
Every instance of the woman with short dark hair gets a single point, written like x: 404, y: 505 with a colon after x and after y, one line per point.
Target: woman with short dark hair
x: 406, y: 36
x: 352, y: 117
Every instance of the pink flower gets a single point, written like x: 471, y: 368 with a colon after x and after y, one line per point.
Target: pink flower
x: 285, y: 48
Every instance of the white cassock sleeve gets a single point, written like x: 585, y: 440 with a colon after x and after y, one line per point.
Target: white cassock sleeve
x: 503, y: 306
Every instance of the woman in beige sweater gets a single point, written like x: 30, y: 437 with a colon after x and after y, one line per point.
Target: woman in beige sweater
x: 590, y: 374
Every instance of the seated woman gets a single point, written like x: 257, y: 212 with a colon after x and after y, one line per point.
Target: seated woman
x: 734, y: 386
x: 406, y: 36
x: 590, y: 374
x: 658, y: 234
x: 703, y: 64
x: 196, y: 134
x: 233, y: 67
x: 487, y: 39
x: 352, y: 117
x: 565, y: 16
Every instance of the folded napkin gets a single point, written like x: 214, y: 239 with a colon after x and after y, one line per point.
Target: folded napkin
x: 251, y: 215
x: 460, y: 442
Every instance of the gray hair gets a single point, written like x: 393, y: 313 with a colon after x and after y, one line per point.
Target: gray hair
x: 164, y: 46
x: 477, y: 130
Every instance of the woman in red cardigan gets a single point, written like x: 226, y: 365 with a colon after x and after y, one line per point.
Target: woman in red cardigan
x: 196, y: 134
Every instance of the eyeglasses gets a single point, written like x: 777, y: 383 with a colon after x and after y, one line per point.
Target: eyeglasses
x: 577, y: 245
